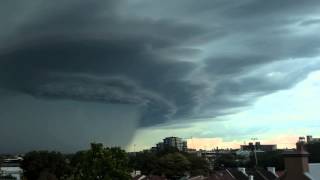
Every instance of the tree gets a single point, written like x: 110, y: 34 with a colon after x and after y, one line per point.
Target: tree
x: 169, y: 162
x: 314, y: 150
x: 174, y: 165
x: 271, y: 159
x: 198, y: 165
x: 100, y: 163
x: 226, y: 160
x: 36, y: 163
x: 167, y: 150
x: 147, y: 162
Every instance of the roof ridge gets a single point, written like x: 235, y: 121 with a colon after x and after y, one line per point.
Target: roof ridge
x: 230, y: 173
x: 261, y: 174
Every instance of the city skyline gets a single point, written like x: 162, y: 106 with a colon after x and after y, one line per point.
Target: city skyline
x: 218, y: 143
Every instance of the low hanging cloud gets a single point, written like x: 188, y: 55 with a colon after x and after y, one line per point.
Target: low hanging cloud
x: 199, y: 59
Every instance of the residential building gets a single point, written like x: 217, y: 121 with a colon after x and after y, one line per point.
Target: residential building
x: 258, y: 147
x: 151, y: 177
x: 244, y: 174
x: 174, y: 142
x: 160, y: 146
x: 310, y: 139
x: 10, y: 169
x: 297, y: 164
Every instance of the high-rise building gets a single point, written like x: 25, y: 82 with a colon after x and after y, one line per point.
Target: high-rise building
x: 174, y: 142
x: 160, y: 146
x: 184, y: 146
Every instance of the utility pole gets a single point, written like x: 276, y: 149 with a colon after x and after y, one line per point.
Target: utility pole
x: 255, y: 150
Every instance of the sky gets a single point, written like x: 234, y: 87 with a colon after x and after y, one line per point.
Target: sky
x: 130, y: 72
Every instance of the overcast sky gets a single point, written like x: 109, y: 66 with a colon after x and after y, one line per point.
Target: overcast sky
x: 127, y: 72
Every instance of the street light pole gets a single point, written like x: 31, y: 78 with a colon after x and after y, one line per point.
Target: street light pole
x: 255, y: 150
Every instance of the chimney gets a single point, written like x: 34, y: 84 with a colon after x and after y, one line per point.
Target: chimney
x: 251, y: 177
x: 243, y: 170
x: 272, y: 170
x: 296, y: 163
x: 309, y: 139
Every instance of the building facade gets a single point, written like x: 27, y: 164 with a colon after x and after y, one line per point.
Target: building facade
x: 10, y: 169
x: 311, y: 139
x: 259, y: 147
x: 173, y: 142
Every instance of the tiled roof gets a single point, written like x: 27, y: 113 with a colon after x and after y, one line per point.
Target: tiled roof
x: 237, y: 174
x: 220, y: 175
x: 227, y: 174
x: 266, y: 175
x: 143, y: 177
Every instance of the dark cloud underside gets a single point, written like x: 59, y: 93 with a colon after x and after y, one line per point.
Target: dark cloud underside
x: 178, y: 60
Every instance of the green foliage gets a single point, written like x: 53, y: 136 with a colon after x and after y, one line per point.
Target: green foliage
x: 146, y: 162
x: 100, y: 163
x: 174, y: 165
x: 271, y: 159
x: 167, y: 150
x: 37, y: 162
x: 265, y: 159
x: 229, y: 160
x: 169, y: 162
x: 198, y: 165
x: 314, y: 150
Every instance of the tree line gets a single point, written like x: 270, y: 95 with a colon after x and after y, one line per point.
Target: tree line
x: 104, y: 163
x: 97, y: 163
x: 171, y: 163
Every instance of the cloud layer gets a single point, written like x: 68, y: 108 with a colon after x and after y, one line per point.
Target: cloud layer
x: 178, y: 61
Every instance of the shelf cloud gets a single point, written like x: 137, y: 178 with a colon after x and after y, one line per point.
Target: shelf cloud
x: 175, y: 61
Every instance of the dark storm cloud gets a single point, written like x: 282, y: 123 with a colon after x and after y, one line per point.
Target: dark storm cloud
x: 32, y: 70
x: 260, y: 8
x: 233, y: 64
x: 177, y: 60
x: 87, y: 53
x: 310, y: 22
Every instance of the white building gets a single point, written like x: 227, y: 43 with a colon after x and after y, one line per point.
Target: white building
x: 15, y: 172
x: 11, y: 168
x: 175, y: 142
